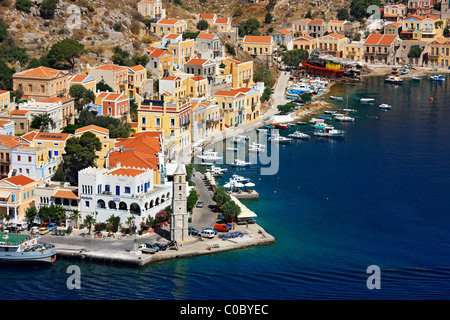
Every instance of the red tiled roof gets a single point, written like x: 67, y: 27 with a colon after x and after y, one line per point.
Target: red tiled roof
x: 91, y: 127
x: 128, y: 172
x: 19, y: 180
x: 197, y: 61
x: 380, y: 39
x: 112, y: 67
x: 206, y: 36
x: 172, y: 36
x: 66, y: 194
x: 19, y: 112
x: 168, y: 21
x: 42, y: 72
x: 258, y: 39
x: 56, y: 99
x: 52, y: 136
x: 221, y: 21
x: 208, y: 16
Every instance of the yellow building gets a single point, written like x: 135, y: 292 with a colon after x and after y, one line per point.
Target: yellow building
x: 238, y: 106
x: 426, y: 28
x: 353, y: 51
x: 332, y: 44
x: 208, y: 17
x: 54, y: 142
x: 166, y: 26
x: 241, y: 72
x: 336, y: 26
x: 182, y: 51
x: 84, y: 80
x: 223, y: 24
x: 439, y: 54
x: 173, y: 118
x: 5, y: 100
x: 16, y: 195
x: 161, y: 61
x: 137, y: 82
x: 258, y: 45
x: 103, y: 135
x: 197, y: 86
x: 305, y: 42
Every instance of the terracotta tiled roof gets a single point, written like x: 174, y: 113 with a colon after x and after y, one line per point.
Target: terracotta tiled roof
x: 337, y: 21
x: 66, y: 194
x: 198, y: 78
x: 208, y: 16
x: 56, y: 99
x: 19, y: 180
x: 258, y: 39
x: 12, y: 143
x: 335, y: 35
x: 284, y: 31
x: 222, y: 21
x: 197, y: 61
x: 380, y: 39
x: 29, y: 136
x: 52, y: 136
x: 156, y: 53
x: 112, y: 67
x: 172, y: 36
x: 42, y: 72
x: 206, y: 36
x: 93, y: 128
x: 3, y: 91
x: 304, y: 38
x: 168, y: 21
x: 136, y: 68
x: 19, y: 112
x: 316, y: 21
x: 171, y: 78
x: 80, y: 78
x: 128, y: 172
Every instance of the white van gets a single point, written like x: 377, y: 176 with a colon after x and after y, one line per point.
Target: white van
x: 207, y: 233
x: 22, y: 226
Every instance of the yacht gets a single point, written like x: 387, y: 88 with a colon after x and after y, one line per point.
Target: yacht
x: 344, y: 118
x: 241, y: 163
x: 216, y: 170
x: 367, y: 100
x: 209, y: 156
x: 330, y: 133
x: 393, y: 79
x: 385, y: 106
x: 254, y: 148
x: 337, y: 98
x: 24, y: 248
x: 299, y: 135
x: 237, y: 178
x: 280, y: 139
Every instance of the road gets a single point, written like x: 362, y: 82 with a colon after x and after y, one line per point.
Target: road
x: 204, y: 217
x: 278, y: 95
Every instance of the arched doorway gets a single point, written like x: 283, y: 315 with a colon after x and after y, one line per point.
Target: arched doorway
x: 134, y: 208
x: 101, y: 204
x: 123, y: 206
x: 112, y: 205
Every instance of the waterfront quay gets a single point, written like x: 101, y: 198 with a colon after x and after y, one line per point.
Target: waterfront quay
x: 122, y: 250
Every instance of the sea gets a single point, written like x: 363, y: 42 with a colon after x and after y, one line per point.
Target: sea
x: 364, y: 217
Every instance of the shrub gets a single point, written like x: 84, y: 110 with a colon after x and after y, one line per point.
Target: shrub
x: 117, y: 27
x: 47, y: 9
x: 23, y: 5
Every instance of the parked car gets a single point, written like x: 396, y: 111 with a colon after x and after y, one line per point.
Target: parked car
x: 44, y: 225
x: 12, y: 229
x: 149, y: 247
x: 51, y: 226
x: 200, y: 204
x: 161, y: 246
x: 207, y: 233
x: 215, y: 231
x: 43, y: 230
x: 22, y: 226
x: 34, y: 229
x: 193, y: 231
x: 221, y: 227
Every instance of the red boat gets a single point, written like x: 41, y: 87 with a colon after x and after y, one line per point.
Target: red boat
x: 280, y: 126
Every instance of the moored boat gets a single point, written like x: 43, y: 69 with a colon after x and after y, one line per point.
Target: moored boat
x: 337, y: 98
x: 16, y: 248
x: 366, y: 100
x: 280, y: 139
x: 209, y: 156
x: 436, y: 77
x: 329, y: 133
x: 393, y: 79
x: 281, y: 126
x: 241, y: 163
x: 385, y: 106
x: 298, y: 135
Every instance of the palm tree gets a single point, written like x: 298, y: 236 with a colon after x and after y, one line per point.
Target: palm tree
x: 89, y: 222
x: 75, y: 215
x: 130, y: 223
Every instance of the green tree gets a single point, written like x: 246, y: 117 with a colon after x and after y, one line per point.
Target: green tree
x: 140, y: 59
x: 6, y: 73
x: 263, y: 74
x: 3, y: 30
x: 58, y: 176
x: 192, y: 199
x: 268, y: 18
x: 24, y: 5
x: 47, y: 9
x: 358, y: 8
x: 294, y: 57
x: 220, y: 196
x: 117, y: 27
x: 80, y: 153
x: 113, y: 223
x: 75, y: 216
x: 31, y: 213
x: 266, y: 94
x: 238, y: 12
x: 89, y: 221
x: 43, y: 122
x: 63, y: 54
x: 81, y: 95
x: 231, y: 210
x: 103, y: 86
x: 202, y: 25
x: 286, y: 108
x: 308, y: 14
x: 415, y: 52
x: 249, y: 27
x: 230, y: 49
x: 306, y: 97
x: 342, y: 14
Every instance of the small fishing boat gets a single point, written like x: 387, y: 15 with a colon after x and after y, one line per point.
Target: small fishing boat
x: 366, y: 100
x: 16, y: 248
x: 385, y: 106
x: 281, y: 126
x: 393, y: 79
x: 325, y: 117
x: 255, y: 148
x: 416, y: 78
x: 436, y: 77
x: 337, y: 98
x: 280, y: 139
x: 238, y: 178
x: 299, y: 135
x: 344, y: 118
x: 329, y: 112
x: 302, y: 123
x: 241, y: 163
x: 348, y: 110
x: 329, y: 133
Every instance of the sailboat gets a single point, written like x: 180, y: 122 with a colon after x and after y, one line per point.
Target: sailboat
x: 345, y: 117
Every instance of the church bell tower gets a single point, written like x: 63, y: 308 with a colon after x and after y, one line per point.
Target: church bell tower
x: 179, y: 216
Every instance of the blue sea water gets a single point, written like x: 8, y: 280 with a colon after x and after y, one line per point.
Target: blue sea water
x: 377, y: 197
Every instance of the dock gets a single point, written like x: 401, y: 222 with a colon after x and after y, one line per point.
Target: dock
x: 246, y: 195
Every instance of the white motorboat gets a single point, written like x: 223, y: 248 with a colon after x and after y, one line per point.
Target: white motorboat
x: 348, y: 110
x: 337, y: 98
x: 367, y: 100
x: 393, y: 79
x: 216, y: 170
x: 329, y: 112
x: 23, y: 248
x: 241, y: 163
x: 209, y: 156
x: 299, y: 135
x: 239, y: 178
x: 280, y: 139
x: 385, y: 106
x: 256, y: 149
x: 436, y: 77
x: 344, y: 118
x: 329, y: 133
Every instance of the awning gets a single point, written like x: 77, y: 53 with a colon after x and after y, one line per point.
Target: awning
x: 4, y: 194
x: 245, y: 212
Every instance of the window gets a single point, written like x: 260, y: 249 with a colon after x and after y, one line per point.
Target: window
x: 13, y: 197
x: 127, y: 190
x: 158, y: 122
x: 107, y: 188
x: 87, y: 203
x: 18, y: 158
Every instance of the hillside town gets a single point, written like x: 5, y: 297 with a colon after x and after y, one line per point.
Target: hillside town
x: 136, y: 119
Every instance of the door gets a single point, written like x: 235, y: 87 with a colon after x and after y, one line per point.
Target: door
x: 118, y: 190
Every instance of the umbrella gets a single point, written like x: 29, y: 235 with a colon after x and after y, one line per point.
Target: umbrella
x: 238, y: 185
x: 249, y: 184
x: 227, y: 185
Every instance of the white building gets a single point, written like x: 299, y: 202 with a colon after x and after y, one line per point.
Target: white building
x: 123, y: 192
x: 53, y: 109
